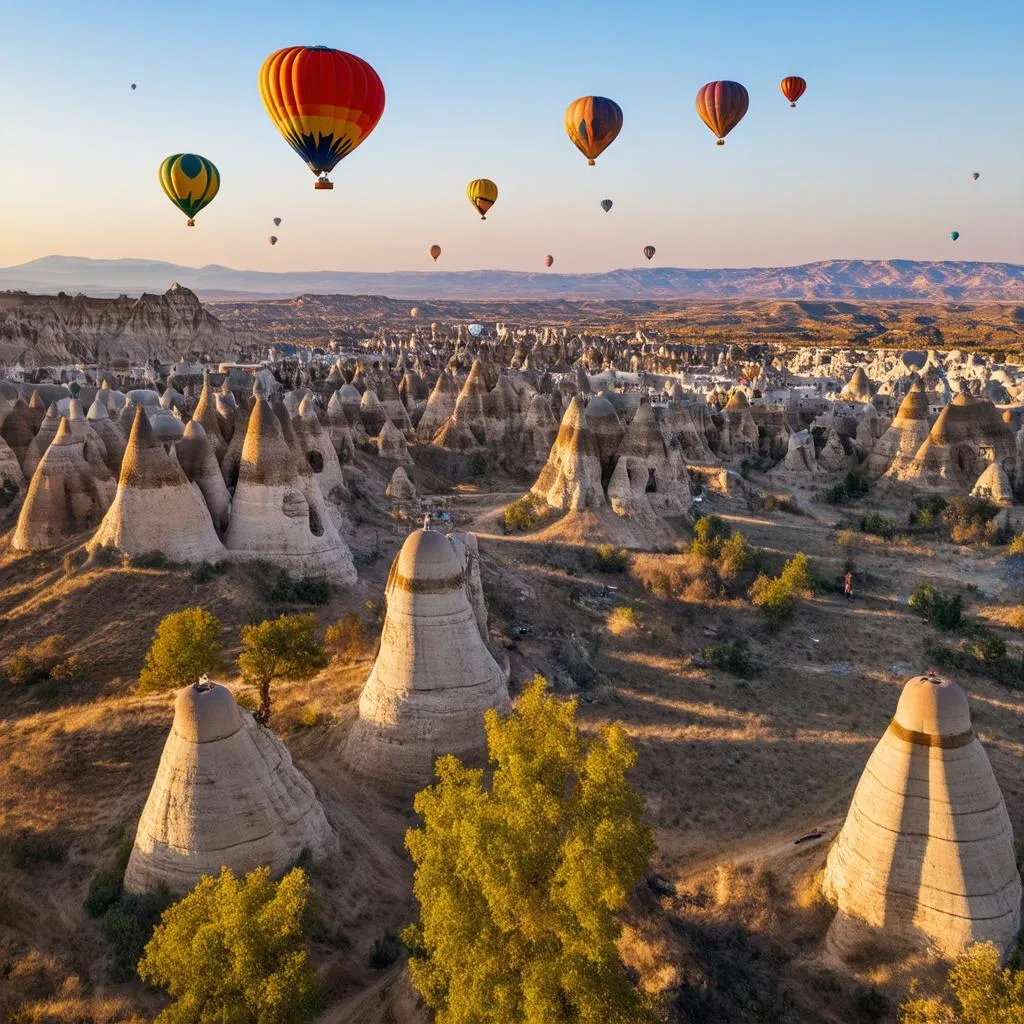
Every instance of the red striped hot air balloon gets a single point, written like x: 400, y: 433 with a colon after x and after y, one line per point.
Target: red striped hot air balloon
x: 324, y: 102
x: 549, y: 261
x: 721, y: 106
x: 793, y: 87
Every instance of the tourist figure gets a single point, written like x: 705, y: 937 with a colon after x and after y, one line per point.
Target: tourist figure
x: 848, y: 585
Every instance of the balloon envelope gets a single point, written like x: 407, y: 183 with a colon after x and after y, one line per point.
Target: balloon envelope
x: 476, y: 330
x: 324, y: 102
x: 435, y: 251
x: 133, y: 87
x: 277, y: 222
x: 592, y: 123
x: 190, y: 182
x: 649, y: 251
x: 975, y: 176
x: 954, y: 235
x: 272, y: 239
x: 721, y: 106
x: 415, y: 311
x: 482, y: 194
x: 606, y: 205
x: 549, y: 261
x: 793, y: 88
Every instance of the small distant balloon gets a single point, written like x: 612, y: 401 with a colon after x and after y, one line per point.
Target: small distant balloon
x: 649, y: 251
x: 721, y: 106
x: 476, y: 330
x: 954, y: 235
x: 975, y: 176
x: 415, y: 311
x: 277, y: 222
x: 482, y: 194
x: 549, y: 261
x: 793, y: 88
x: 134, y: 87
x: 606, y: 205
x: 272, y: 239
x: 592, y: 124
x: 435, y: 251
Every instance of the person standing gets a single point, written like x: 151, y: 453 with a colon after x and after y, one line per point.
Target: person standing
x: 848, y: 585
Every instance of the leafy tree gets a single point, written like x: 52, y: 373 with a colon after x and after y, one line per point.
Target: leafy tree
x: 234, y: 951
x: 185, y: 645
x: 519, y: 884
x: 283, y: 648
x: 709, y: 534
x: 346, y: 637
x: 980, y: 992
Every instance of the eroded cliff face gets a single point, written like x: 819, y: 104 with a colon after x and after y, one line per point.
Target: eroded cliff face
x: 46, y: 330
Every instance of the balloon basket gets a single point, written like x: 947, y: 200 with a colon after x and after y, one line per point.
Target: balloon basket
x: 792, y: 104
x: 323, y: 185
x: 190, y: 223
x: 591, y: 163
x: 720, y: 142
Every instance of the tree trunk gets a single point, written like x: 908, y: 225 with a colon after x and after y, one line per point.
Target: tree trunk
x: 262, y: 714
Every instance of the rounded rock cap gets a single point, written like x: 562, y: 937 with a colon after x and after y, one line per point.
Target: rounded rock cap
x: 600, y: 407
x: 205, y: 712
x: 933, y: 707
x: 427, y: 556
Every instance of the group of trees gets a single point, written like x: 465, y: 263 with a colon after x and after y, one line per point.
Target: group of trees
x: 187, y: 646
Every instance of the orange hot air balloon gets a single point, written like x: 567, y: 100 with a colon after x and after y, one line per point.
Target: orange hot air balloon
x: 721, y: 106
x: 324, y: 102
x: 549, y: 261
x: 793, y: 88
x: 592, y: 124
x: 415, y: 311
x: 435, y: 251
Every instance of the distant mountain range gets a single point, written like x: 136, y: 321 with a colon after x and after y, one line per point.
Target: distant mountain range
x: 828, y: 279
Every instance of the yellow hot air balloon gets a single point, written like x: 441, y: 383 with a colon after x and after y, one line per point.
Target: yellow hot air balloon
x: 190, y: 182
x: 483, y: 194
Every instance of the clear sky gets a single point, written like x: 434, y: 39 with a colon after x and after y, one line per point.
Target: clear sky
x: 904, y: 101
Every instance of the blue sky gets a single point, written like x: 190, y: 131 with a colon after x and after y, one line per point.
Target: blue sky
x: 904, y: 101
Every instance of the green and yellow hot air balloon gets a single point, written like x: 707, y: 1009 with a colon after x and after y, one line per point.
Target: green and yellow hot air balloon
x: 190, y: 182
x: 482, y: 194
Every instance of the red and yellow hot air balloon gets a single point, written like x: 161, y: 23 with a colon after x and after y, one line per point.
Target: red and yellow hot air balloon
x: 482, y: 194
x: 592, y: 124
x: 549, y: 261
x: 435, y: 251
x: 793, y: 87
x: 721, y: 106
x: 324, y: 102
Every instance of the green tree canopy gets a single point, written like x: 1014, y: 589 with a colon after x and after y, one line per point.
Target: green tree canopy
x: 519, y: 884
x: 186, y: 645
x: 980, y: 992
x: 283, y: 648
x: 234, y: 951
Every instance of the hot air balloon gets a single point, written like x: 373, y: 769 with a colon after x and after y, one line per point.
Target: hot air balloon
x: 272, y: 239
x: 549, y: 261
x: 954, y: 235
x: 133, y: 87
x: 721, y: 106
x: 277, y: 222
x: 324, y: 102
x: 975, y: 176
x: 483, y: 194
x: 606, y: 205
x: 592, y: 123
x: 793, y: 88
x: 435, y: 251
x: 649, y: 251
x: 476, y: 330
x: 415, y: 311
x: 190, y: 182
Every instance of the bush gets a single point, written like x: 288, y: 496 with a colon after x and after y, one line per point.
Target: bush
x: 346, y: 638
x: 736, y: 555
x: 35, y: 663
x: 622, y: 620
x: 206, y: 571
x: 104, y: 891
x: 478, y: 464
x: 605, y: 558
x: 186, y: 645
x: 709, y: 534
x: 30, y: 848
x: 944, y: 613
x: 835, y: 495
x: 314, y: 590
x: 385, y: 951
x: 732, y: 657
x: 796, y: 574
x: 1016, y: 546
x: 926, y: 511
x: 973, y: 521
x: 877, y: 524
x: 526, y: 513
x: 235, y: 943
x: 852, y: 486
x: 8, y: 490
x: 151, y: 560
x: 774, y: 597
x: 689, y: 578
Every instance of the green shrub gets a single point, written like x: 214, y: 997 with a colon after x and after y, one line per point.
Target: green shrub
x: 926, y: 511
x: 736, y: 555
x: 526, y: 513
x: 877, y: 524
x: 944, y: 613
x: 478, y: 464
x: 104, y: 891
x: 283, y: 589
x: 796, y: 574
x: 852, y: 486
x: 30, y: 848
x: 605, y: 558
x: 732, y: 657
x: 774, y: 597
x: 8, y: 490
x: 33, y: 663
x: 186, y: 645
x: 346, y: 638
x: 128, y: 926
x: 206, y: 571
x: 151, y: 560
x: 835, y: 495
x: 385, y: 951
x: 709, y: 534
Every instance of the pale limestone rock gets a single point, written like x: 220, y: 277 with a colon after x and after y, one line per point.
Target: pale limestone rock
x: 319, y: 452
x: 196, y: 458
x: 571, y: 478
x: 391, y: 444
x: 400, y: 487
